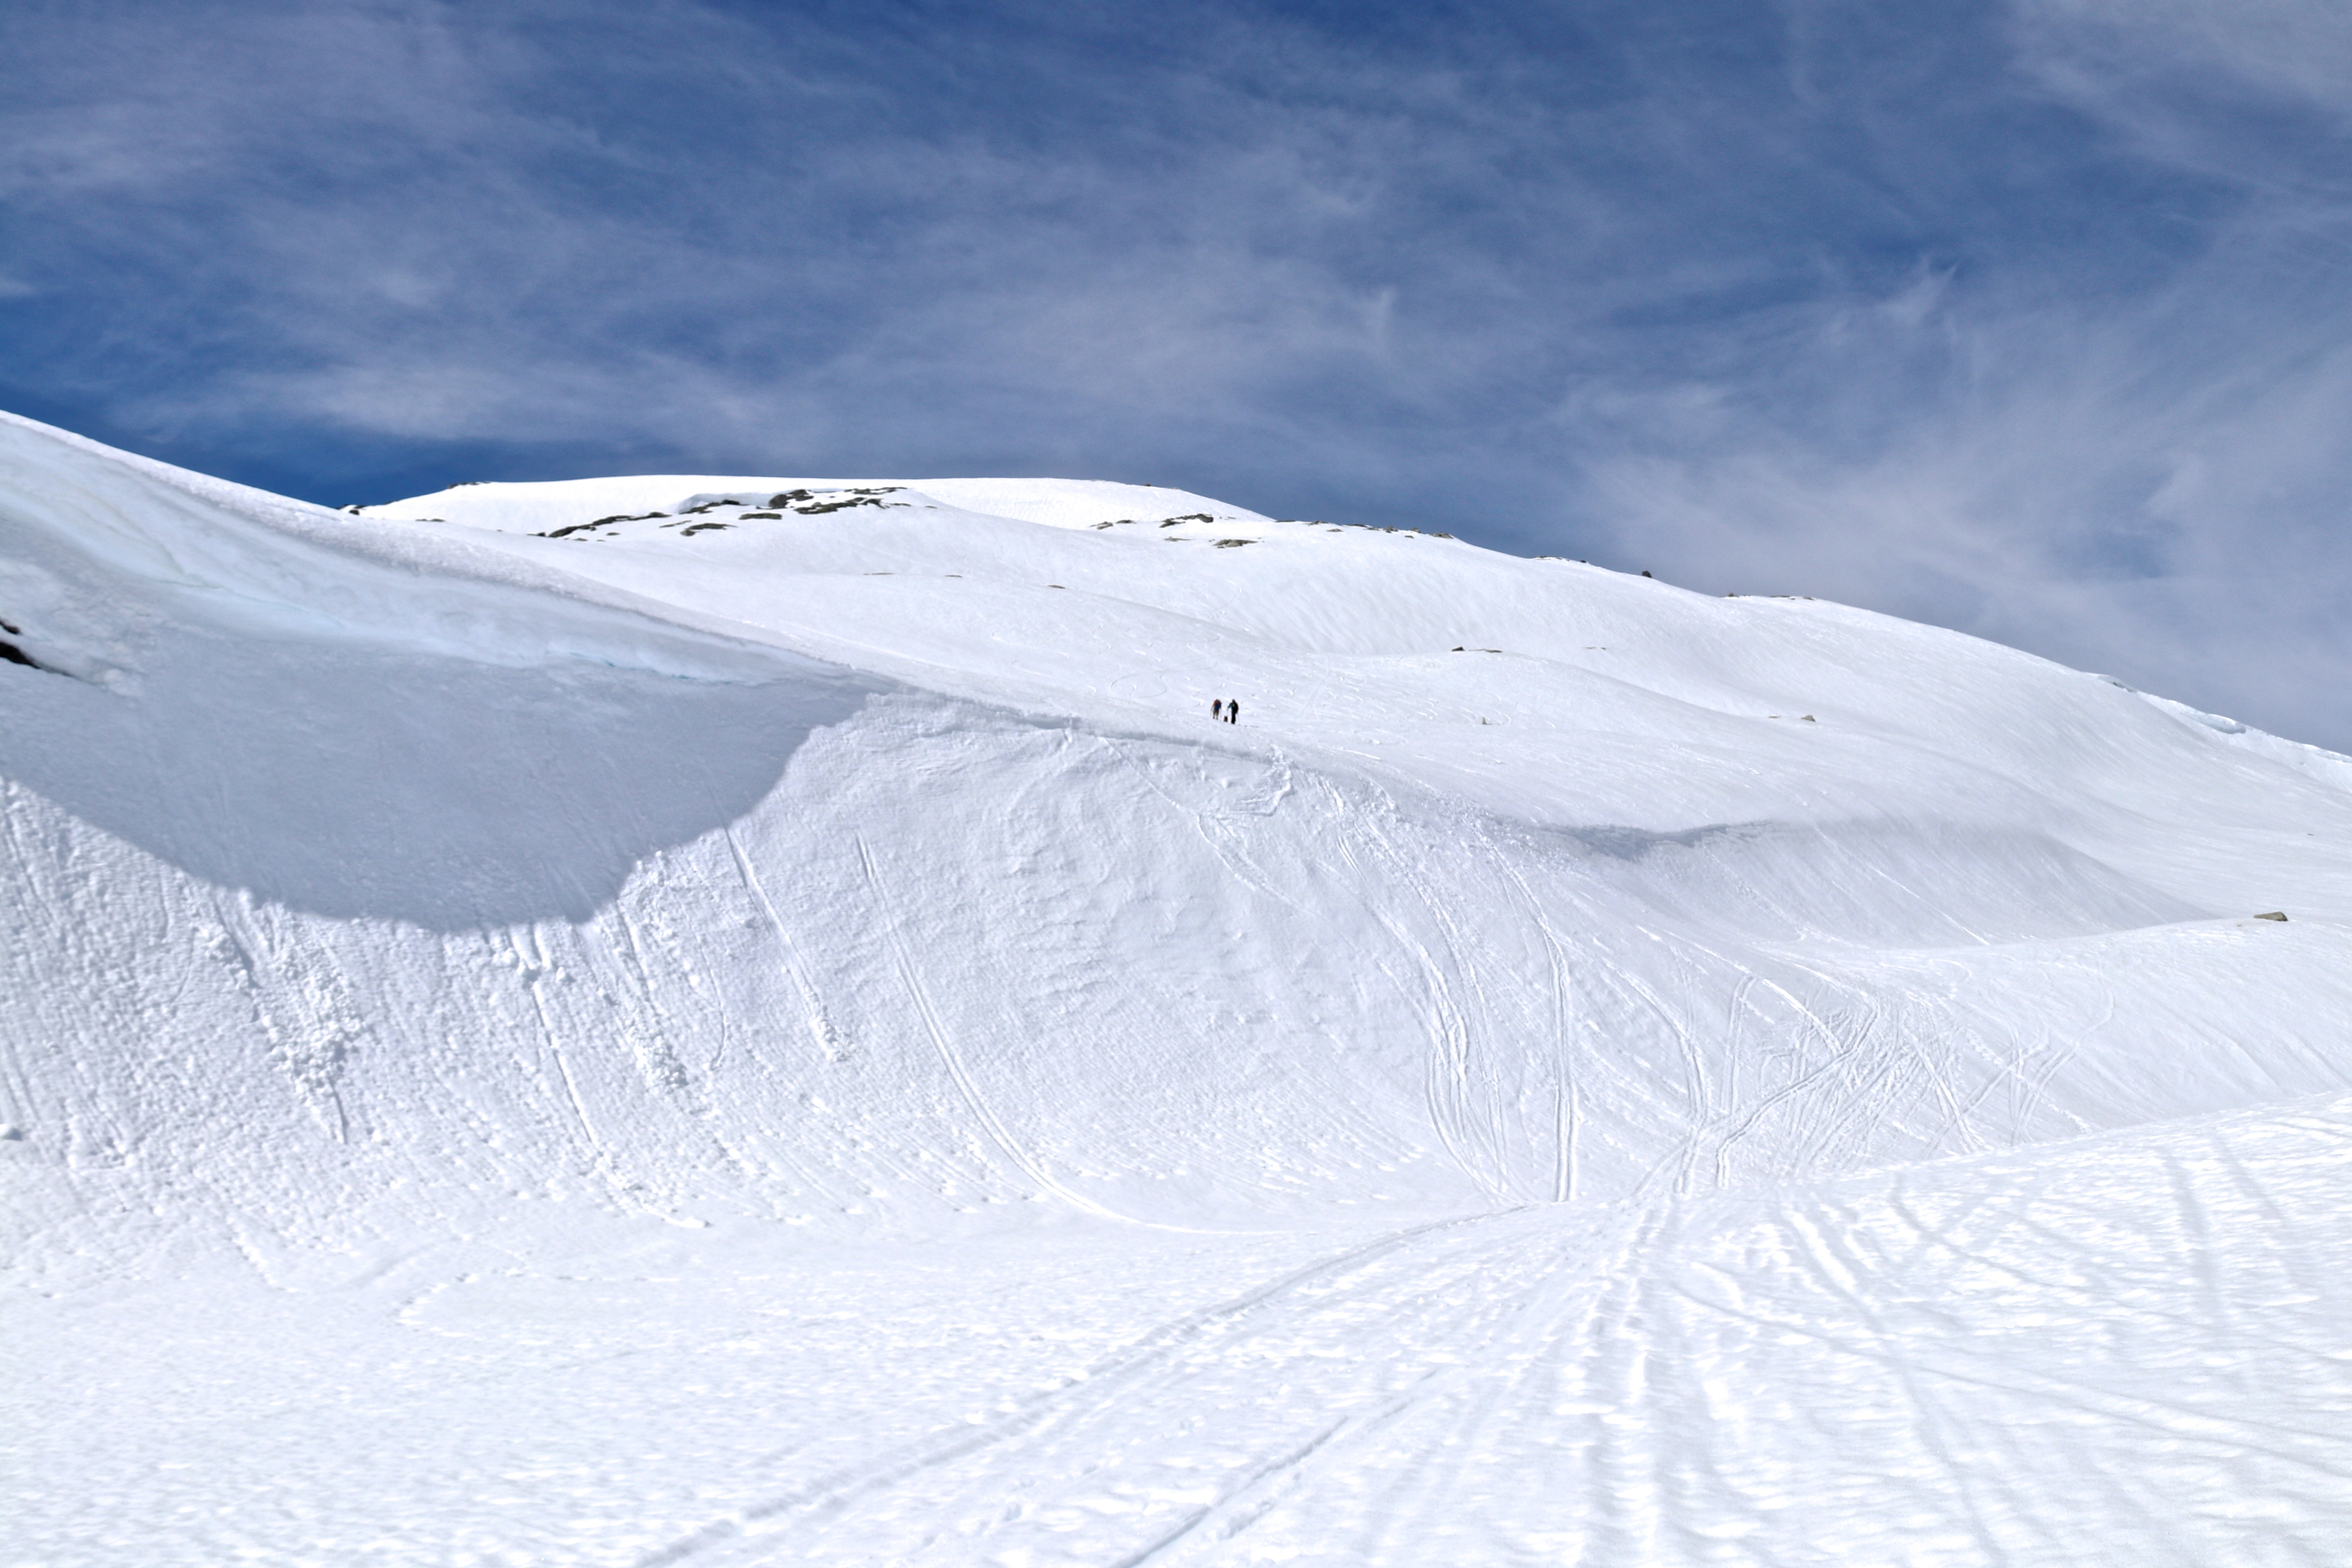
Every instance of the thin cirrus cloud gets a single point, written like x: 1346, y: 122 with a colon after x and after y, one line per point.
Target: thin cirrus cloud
x: 2020, y: 318
x: 2126, y: 452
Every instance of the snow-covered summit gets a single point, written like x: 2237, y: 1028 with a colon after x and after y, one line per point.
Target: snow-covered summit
x: 791, y: 971
x: 542, y: 506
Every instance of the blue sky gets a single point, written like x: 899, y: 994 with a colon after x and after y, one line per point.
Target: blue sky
x: 2030, y: 319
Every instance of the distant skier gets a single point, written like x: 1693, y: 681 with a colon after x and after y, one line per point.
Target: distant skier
x: 1233, y: 712
x: 1216, y: 708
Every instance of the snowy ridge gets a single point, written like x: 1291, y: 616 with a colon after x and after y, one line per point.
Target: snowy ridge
x: 807, y: 941
x: 2333, y: 767
x: 540, y: 508
x: 88, y: 524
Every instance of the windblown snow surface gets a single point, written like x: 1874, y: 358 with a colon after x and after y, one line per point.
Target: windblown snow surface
x: 721, y: 1020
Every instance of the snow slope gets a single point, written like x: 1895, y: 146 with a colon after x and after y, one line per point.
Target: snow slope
x: 727, y: 1019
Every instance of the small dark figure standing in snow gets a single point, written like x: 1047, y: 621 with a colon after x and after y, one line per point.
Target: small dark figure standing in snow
x: 1233, y: 712
x: 1216, y: 708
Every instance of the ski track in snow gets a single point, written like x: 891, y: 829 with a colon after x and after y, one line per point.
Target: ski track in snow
x: 538, y: 1035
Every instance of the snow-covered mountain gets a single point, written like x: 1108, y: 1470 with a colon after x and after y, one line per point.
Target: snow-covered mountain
x: 720, y: 1020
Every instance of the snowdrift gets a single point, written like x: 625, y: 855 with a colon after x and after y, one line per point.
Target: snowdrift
x: 832, y: 900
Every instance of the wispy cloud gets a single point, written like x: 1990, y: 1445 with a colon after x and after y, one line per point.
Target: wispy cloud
x: 2124, y: 451
x: 2163, y: 67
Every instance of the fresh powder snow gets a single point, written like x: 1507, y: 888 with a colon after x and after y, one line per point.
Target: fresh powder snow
x: 718, y: 1020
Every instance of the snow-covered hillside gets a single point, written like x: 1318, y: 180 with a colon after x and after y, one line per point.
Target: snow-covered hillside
x: 724, y: 1019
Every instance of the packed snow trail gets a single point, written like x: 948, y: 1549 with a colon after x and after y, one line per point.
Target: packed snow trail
x: 715, y: 1019
x: 2123, y: 1350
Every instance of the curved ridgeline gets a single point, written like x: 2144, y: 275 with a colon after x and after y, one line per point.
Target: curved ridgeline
x: 858, y: 861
